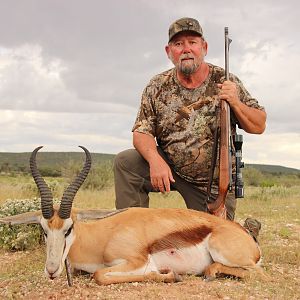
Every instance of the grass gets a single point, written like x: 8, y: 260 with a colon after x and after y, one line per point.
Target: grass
x: 277, y: 207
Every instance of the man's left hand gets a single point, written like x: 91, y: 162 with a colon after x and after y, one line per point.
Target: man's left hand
x: 229, y: 92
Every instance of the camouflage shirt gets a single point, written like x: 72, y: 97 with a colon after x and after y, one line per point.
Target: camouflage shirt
x: 183, y: 121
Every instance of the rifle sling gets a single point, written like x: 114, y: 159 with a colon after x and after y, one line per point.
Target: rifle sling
x: 213, y: 162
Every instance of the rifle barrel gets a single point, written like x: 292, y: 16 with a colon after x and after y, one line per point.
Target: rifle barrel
x: 227, y: 43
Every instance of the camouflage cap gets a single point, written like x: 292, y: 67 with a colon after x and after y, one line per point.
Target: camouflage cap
x: 185, y: 24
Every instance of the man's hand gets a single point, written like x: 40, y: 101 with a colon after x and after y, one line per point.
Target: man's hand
x: 251, y: 119
x: 229, y: 93
x: 160, y: 174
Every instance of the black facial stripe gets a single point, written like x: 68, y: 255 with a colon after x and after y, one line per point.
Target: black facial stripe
x: 69, y: 230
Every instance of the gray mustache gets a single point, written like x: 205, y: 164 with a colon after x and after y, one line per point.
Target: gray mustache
x: 186, y: 56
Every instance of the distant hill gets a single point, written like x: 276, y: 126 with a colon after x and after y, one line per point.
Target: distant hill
x: 55, y: 160
x: 273, y: 169
x: 46, y: 160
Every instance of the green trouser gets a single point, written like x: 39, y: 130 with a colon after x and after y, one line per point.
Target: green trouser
x: 133, y: 184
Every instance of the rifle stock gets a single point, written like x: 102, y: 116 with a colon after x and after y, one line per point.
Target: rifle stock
x: 225, y: 173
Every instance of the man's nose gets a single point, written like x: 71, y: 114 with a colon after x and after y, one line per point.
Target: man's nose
x: 186, y: 47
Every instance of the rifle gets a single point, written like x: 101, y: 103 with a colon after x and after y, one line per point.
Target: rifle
x: 225, y: 162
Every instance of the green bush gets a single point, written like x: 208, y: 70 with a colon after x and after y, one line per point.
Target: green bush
x: 20, y: 237
x: 49, y: 172
x: 56, y: 187
x: 100, y: 176
x: 257, y: 178
x: 252, y: 176
x: 268, y: 182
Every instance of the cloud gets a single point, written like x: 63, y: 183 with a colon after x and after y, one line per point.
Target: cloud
x: 72, y: 72
x: 274, y: 149
x: 270, y: 77
x: 25, y: 130
x: 30, y: 82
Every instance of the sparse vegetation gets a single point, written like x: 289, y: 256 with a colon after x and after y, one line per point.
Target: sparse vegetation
x: 100, y: 176
x: 274, y: 199
x: 17, y: 163
x: 20, y: 237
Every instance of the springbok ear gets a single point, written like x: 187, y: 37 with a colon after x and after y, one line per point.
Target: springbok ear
x: 32, y: 217
x: 95, y: 214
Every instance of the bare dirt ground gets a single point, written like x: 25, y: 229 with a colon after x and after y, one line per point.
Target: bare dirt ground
x: 21, y: 277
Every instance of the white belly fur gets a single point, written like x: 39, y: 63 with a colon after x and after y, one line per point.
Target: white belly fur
x: 189, y: 260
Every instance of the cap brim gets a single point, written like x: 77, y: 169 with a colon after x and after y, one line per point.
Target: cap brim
x: 192, y: 31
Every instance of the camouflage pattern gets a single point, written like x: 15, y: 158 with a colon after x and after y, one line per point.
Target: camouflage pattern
x: 183, y: 121
x: 253, y: 227
x: 185, y: 24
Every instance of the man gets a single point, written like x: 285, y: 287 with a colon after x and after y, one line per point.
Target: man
x: 174, y: 130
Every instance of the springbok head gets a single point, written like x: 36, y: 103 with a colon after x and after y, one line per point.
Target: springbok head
x: 57, y: 224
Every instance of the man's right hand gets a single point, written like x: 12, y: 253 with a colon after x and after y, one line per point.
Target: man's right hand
x: 160, y: 174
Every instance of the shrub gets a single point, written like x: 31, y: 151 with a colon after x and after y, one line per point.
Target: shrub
x: 30, y: 188
x: 100, y: 176
x: 20, y: 237
x: 252, y: 176
x: 267, y: 183
x: 49, y: 172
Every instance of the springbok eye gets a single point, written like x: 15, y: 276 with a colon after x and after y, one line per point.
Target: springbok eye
x: 45, y: 234
x: 69, y: 231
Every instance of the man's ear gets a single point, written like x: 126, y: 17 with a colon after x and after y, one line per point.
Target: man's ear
x: 204, y: 48
x: 167, y: 48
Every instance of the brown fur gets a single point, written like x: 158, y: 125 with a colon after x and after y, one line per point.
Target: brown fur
x: 55, y: 222
x: 180, y: 239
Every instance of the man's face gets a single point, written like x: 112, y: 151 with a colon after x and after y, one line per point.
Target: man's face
x: 187, y: 51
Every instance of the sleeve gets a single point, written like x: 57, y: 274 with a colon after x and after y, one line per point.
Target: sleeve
x: 245, y: 97
x: 146, y: 118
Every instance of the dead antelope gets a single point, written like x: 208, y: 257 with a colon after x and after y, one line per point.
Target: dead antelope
x: 137, y: 244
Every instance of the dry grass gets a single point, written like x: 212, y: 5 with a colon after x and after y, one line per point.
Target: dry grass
x: 21, y: 273
x: 12, y: 189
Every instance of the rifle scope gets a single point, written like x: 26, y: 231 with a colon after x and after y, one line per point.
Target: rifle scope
x: 239, y: 184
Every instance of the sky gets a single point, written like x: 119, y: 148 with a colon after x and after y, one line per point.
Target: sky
x: 72, y: 72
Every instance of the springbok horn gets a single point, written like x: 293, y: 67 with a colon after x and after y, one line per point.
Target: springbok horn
x: 69, y: 194
x: 45, y: 192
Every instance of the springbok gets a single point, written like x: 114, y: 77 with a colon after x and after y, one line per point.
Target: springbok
x: 137, y: 244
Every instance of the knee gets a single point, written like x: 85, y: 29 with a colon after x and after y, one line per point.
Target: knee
x: 128, y: 159
x: 122, y: 159
x: 100, y: 278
